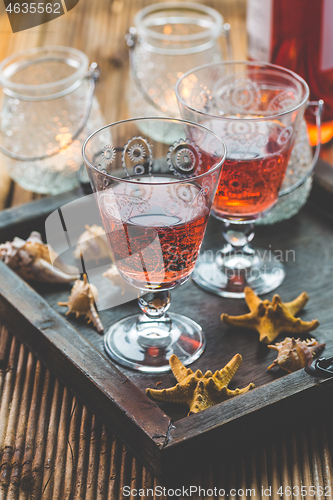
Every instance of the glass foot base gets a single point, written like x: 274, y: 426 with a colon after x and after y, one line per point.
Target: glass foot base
x: 149, y: 353
x: 263, y: 276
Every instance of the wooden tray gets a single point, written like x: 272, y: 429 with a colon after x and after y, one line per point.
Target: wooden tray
x: 160, y: 435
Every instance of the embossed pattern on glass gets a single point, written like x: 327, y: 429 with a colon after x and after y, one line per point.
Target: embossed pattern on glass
x: 41, y: 110
x: 168, y: 40
x: 154, y: 198
x: 257, y: 109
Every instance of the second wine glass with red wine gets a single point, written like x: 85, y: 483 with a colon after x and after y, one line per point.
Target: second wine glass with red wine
x: 256, y: 108
x: 154, y: 198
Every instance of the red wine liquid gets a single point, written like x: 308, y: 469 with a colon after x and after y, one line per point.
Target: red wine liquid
x: 250, y: 187
x: 254, y: 170
x: 158, y: 249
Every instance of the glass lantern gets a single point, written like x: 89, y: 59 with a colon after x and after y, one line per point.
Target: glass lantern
x: 300, y: 167
x: 47, y: 109
x: 167, y: 40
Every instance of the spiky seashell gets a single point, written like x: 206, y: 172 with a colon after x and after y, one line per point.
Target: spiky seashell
x: 199, y: 391
x: 32, y: 260
x: 295, y: 354
x: 92, y: 244
x: 119, y: 285
x: 113, y: 275
x: 82, y: 302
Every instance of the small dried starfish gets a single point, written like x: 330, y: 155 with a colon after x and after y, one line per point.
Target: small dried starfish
x: 199, y: 391
x: 272, y: 318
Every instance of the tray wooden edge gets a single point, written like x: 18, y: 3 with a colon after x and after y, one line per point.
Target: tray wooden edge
x: 149, y: 433
x: 15, y: 219
x: 166, y: 453
x: 232, y: 425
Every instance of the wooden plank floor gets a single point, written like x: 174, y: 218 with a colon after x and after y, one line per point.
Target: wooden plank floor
x: 51, y: 447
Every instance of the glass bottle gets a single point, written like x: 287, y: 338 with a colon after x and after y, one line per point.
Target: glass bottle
x: 298, y: 35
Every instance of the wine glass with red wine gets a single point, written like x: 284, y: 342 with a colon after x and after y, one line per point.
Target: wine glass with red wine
x: 257, y: 109
x: 154, y: 199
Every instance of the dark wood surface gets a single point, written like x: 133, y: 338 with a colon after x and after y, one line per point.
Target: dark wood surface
x: 305, y: 237
x: 290, y: 455
x: 143, y: 426
x: 76, y: 457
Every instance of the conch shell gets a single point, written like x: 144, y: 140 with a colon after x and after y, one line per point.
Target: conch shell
x: 82, y: 301
x: 93, y: 244
x: 113, y: 275
x: 295, y: 354
x: 32, y: 260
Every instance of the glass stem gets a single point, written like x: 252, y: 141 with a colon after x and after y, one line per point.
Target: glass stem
x: 236, y: 257
x: 154, y: 325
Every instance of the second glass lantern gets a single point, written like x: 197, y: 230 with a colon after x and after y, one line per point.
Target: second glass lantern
x: 167, y: 40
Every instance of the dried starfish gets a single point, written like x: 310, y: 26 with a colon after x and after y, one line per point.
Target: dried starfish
x: 34, y: 260
x: 272, y: 318
x: 82, y: 301
x: 295, y: 354
x: 199, y: 391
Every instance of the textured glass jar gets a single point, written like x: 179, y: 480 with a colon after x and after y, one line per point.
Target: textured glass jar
x: 48, y: 109
x: 169, y: 39
x: 300, y: 166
